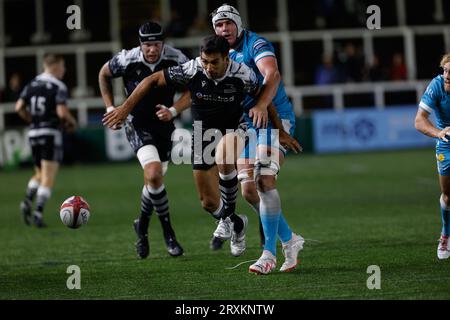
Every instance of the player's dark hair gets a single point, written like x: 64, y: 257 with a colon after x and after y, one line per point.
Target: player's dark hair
x: 52, y: 58
x: 215, y: 44
x: 151, y: 31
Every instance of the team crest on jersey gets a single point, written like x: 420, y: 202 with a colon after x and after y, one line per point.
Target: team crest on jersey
x: 440, y: 157
x: 203, y: 83
x: 229, y: 88
x: 138, y: 71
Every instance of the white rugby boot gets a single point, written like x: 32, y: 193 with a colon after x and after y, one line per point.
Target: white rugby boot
x: 237, y: 243
x: 224, y: 229
x: 290, y: 251
x: 443, y: 250
x: 265, y: 264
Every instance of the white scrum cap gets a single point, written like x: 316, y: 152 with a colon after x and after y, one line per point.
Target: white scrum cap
x: 226, y: 11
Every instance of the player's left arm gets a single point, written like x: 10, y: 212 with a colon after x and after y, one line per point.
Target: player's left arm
x: 119, y: 114
x: 285, y: 138
x: 268, y: 67
x: 21, y: 109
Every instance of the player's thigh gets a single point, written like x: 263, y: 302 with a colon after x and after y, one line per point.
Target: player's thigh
x: 229, y: 148
x: 207, y: 184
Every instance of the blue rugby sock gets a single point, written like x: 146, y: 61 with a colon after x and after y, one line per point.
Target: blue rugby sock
x: 284, y: 232
x: 270, y: 212
x: 445, y: 215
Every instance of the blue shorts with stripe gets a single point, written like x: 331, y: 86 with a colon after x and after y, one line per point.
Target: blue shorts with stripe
x: 268, y: 136
x: 443, y: 161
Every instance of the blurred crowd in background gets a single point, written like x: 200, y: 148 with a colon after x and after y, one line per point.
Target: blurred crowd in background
x: 347, y: 64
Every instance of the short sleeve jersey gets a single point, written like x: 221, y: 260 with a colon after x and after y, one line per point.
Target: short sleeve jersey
x: 133, y: 68
x: 42, y: 95
x: 217, y: 103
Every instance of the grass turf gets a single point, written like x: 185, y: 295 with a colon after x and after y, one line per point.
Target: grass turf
x: 363, y: 209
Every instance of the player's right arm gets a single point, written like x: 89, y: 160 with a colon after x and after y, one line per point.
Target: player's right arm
x: 119, y: 114
x: 105, y: 84
x: 21, y: 109
x: 424, y: 125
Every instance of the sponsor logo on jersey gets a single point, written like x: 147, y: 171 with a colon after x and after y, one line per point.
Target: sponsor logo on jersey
x: 214, y: 98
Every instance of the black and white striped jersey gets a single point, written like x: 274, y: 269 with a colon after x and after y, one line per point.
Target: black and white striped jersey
x: 42, y: 95
x: 133, y: 68
x: 217, y: 103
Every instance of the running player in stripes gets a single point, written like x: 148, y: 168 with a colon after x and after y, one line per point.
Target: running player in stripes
x: 218, y: 86
x: 149, y: 137
x: 42, y: 104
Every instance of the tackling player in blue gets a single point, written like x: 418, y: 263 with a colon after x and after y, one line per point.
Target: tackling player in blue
x: 258, y: 178
x: 437, y: 99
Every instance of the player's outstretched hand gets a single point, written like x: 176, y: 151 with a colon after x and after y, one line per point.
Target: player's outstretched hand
x: 260, y: 116
x: 163, y: 113
x: 114, y: 118
x: 289, y: 143
x: 444, y: 133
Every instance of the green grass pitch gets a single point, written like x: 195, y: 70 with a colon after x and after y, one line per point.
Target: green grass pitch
x: 362, y: 209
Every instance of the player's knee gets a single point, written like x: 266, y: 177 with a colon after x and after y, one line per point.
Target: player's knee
x: 153, y: 176
x: 265, y: 174
x: 248, y: 187
x: 265, y: 183
x: 208, y: 204
x: 445, y: 201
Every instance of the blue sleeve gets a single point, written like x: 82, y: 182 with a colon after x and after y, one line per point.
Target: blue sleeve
x: 261, y: 48
x: 430, y: 98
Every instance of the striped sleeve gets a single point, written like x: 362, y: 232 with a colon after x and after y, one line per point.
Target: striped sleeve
x: 182, y: 74
x: 262, y: 48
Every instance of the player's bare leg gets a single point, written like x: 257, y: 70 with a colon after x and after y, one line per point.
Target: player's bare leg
x: 443, y: 251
